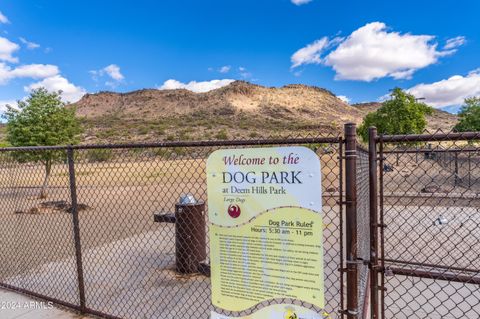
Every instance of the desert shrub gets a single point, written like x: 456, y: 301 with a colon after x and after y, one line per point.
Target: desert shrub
x: 99, y: 155
x: 221, y: 135
x: 143, y: 130
x: 180, y: 151
x: 162, y: 152
x: 184, y: 136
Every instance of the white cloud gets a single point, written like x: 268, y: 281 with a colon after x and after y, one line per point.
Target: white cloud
x: 454, y: 43
x: 225, y: 69
x: 244, y: 73
x: 344, y: 98
x: 372, y: 52
x: 3, y: 18
x: 7, y: 48
x: 4, y: 103
x: 29, y: 45
x: 113, y: 71
x: 300, y: 2
x: 310, y: 54
x: 448, y: 92
x: 70, y: 92
x: 33, y: 71
x: 48, y: 74
x: 194, y: 86
x: 298, y: 73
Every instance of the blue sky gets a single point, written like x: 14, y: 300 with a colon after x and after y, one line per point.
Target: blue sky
x: 356, y: 49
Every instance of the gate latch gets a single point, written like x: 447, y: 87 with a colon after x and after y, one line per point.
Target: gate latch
x: 388, y: 272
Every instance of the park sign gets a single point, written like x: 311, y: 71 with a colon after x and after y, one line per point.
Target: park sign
x: 265, y: 213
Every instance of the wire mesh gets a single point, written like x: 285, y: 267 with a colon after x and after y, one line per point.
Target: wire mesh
x: 129, y: 261
x: 363, y: 228
x: 35, y: 233
x: 431, y: 248
x: 463, y: 165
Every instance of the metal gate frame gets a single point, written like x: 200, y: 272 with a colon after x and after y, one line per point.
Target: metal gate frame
x: 377, y: 213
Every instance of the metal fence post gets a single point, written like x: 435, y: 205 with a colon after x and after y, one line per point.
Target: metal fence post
x: 382, y: 160
x: 351, y: 219
x: 373, y: 184
x: 76, y: 228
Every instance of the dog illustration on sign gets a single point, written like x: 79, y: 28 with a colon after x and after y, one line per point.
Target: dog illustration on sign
x: 290, y: 313
x: 234, y: 211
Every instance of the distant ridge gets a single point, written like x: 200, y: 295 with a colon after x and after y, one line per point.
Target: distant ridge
x: 238, y: 110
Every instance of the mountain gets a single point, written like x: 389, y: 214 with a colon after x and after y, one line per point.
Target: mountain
x: 239, y: 110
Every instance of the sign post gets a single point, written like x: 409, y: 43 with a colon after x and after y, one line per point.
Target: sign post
x: 265, y: 212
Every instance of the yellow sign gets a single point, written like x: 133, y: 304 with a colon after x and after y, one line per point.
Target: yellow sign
x: 265, y: 209
x: 281, y: 311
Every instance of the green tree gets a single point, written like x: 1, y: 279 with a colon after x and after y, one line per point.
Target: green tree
x: 42, y: 120
x: 469, y: 116
x: 401, y: 114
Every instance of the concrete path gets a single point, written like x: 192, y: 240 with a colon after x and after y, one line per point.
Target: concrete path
x: 16, y: 306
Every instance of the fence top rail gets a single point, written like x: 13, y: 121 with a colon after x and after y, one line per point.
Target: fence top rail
x: 431, y: 150
x: 434, y: 137
x: 247, y: 142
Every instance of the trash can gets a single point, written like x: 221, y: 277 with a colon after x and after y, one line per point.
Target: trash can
x: 190, y: 234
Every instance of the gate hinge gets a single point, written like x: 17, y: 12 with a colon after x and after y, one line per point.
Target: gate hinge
x: 380, y: 225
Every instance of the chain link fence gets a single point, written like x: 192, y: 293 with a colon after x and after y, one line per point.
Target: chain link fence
x: 93, y: 243
x: 431, y: 243
x: 96, y: 243
x: 36, y: 235
x: 463, y: 164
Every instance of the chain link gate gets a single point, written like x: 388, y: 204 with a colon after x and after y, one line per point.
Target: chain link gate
x: 425, y: 241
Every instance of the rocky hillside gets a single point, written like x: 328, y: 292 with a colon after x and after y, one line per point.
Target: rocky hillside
x: 239, y: 110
